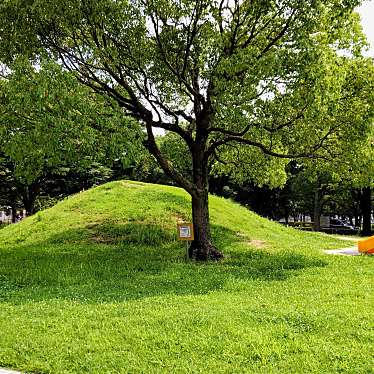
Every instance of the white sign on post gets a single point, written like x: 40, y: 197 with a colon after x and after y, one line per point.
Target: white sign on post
x: 185, y: 231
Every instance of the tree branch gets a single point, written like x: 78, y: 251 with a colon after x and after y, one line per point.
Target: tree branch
x: 229, y: 132
x: 274, y: 40
x: 181, y: 79
x: 265, y: 150
x: 166, y: 165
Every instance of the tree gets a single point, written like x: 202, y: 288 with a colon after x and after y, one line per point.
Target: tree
x: 363, y: 179
x: 49, y: 122
x: 256, y: 80
x: 9, y: 195
x: 65, y: 181
x: 343, y: 183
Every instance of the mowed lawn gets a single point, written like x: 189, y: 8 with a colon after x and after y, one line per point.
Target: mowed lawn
x: 99, y: 284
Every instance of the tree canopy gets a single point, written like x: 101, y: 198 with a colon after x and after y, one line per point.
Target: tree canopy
x: 49, y: 122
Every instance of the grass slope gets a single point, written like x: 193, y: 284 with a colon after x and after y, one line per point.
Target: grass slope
x: 98, y: 284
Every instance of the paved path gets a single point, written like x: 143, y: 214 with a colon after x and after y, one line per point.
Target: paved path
x: 351, y: 251
x: 7, y: 371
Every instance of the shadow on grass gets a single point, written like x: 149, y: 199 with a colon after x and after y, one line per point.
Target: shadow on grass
x: 117, y: 262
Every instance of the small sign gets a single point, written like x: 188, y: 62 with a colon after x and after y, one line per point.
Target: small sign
x: 185, y: 231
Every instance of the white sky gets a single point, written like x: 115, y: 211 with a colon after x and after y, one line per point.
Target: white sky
x: 366, y: 11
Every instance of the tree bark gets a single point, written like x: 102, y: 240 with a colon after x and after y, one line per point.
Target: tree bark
x: 366, y: 211
x: 14, y: 213
x: 286, y: 218
x: 317, y: 210
x: 29, y: 196
x: 201, y: 248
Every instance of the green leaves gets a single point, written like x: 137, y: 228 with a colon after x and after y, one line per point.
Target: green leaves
x: 48, y: 120
x: 273, y: 72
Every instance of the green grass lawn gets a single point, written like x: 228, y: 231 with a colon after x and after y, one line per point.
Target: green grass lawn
x: 98, y: 284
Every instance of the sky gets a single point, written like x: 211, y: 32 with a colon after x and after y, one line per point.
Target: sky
x: 366, y: 11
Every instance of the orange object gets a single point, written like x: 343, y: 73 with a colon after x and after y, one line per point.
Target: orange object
x: 366, y: 246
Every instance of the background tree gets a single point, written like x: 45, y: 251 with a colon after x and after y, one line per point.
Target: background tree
x: 364, y: 181
x: 66, y: 181
x: 9, y: 193
x: 353, y: 161
x: 49, y: 122
x: 222, y: 75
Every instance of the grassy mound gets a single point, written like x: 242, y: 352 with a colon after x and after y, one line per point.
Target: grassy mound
x: 100, y: 284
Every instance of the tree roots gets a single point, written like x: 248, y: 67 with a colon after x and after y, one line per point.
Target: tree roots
x: 204, y: 252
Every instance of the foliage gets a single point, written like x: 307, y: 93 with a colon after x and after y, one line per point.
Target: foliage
x: 353, y: 159
x: 50, y: 124
x: 9, y: 195
x: 70, y: 180
x: 49, y: 121
x: 147, y: 169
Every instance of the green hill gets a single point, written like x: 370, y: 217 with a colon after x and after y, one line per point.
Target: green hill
x: 100, y: 284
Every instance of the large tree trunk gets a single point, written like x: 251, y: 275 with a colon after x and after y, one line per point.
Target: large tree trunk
x: 366, y: 211
x: 201, y: 248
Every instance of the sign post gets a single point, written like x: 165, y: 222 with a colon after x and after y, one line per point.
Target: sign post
x: 185, y: 233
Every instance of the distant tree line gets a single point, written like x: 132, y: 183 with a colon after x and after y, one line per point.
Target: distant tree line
x: 302, y: 194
